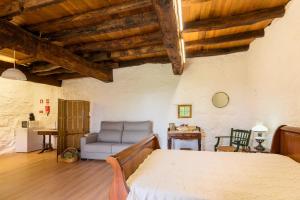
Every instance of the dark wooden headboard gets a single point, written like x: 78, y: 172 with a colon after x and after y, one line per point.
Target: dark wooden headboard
x: 286, y: 141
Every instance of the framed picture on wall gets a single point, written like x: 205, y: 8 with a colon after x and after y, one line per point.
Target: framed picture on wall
x: 184, y: 111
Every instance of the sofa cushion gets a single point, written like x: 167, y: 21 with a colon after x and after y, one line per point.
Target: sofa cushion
x: 107, y: 125
x: 110, y: 132
x: 109, y: 136
x: 138, y: 126
x: 116, y: 148
x: 98, y: 147
x: 136, y: 131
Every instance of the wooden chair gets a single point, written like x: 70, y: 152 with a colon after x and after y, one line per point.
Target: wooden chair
x: 239, y: 140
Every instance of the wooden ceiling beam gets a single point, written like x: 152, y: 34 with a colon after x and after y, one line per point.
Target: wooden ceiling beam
x: 90, y: 17
x: 26, y: 61
x: 46, y: 51
x: 111, y: 64
x: 120, y: 44
x: 13, y: 7
x: 68, y: 76
x: 55, y: 71
x: 216, y: 52
x: 97, y: 57
x: 168, y: 20
x: 106, y: 27
x: 91, y: 57
x: 189, y: 54
x: 31, y: 77
x: 138, y: 51
x: 43, y: 68
x: 135, y: 52
x: 155, y: 60
x: 186, y: 3
x: 227, y: 38
x: 235, y: 20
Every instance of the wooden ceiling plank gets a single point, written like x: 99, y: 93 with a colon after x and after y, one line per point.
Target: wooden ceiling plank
x: 227, y: 38
x: 90, y: 17
x: 12, y: 9
x: 235, y: 20
x: 166, y: 13
x: 120, y: 44
x: 44, y: 50
x: 31, y: 77
x: 109, y: 26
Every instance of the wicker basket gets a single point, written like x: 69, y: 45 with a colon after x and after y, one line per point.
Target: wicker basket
x: 70, y: 155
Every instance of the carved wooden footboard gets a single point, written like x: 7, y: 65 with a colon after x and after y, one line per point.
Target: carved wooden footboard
x: 126, y: 162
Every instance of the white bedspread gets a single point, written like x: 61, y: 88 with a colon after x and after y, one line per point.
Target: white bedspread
x: 200, y: 175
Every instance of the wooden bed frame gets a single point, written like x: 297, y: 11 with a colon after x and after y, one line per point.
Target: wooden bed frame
x: 286, y: 141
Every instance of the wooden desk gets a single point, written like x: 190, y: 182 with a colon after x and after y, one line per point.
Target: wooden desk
x: 48, y: 132
x: 184, y: 135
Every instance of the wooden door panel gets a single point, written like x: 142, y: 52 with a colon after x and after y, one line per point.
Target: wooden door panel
x: 73, y: 122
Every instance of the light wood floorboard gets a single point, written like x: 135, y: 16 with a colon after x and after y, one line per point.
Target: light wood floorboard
x: 33, y: 176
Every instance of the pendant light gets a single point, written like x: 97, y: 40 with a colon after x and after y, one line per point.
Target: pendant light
x: 14, y: 73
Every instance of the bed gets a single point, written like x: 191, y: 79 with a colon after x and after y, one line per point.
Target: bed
x: 144, y: 171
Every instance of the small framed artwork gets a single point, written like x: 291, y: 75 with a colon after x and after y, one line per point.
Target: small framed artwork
x: 184, y: 111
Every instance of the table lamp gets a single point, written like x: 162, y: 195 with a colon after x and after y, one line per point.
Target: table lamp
x: 260, y: 129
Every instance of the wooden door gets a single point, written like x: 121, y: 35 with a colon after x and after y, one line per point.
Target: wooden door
x: 73, y: 123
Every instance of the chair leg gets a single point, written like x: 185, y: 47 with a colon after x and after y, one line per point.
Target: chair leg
x: 237, y: 147
x: 217, y: 144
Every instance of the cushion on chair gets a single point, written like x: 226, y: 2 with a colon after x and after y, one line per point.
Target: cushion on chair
x: 110, y: 132
x: 98, y: 147
x: 226, y: 148
x: 136, y: 131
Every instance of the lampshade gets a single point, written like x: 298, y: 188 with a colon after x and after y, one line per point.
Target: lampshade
x: 14, y: 74
x: 260, y: 128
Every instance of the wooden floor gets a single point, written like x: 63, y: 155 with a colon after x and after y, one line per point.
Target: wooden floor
x: 31, y: 176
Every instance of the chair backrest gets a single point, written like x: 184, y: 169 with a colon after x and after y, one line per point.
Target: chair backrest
x: 242, y: 136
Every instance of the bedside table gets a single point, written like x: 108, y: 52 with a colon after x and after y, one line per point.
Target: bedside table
x: 184, y: 135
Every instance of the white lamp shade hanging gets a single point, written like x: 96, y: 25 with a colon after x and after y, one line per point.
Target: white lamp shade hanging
x: 14, y: 74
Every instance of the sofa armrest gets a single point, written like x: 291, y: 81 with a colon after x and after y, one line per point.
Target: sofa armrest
x: 90, y: 138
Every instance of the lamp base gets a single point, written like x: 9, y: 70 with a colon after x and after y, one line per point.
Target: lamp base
x: 260, y: 147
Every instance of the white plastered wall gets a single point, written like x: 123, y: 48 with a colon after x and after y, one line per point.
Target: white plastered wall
x: 17, y: 100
